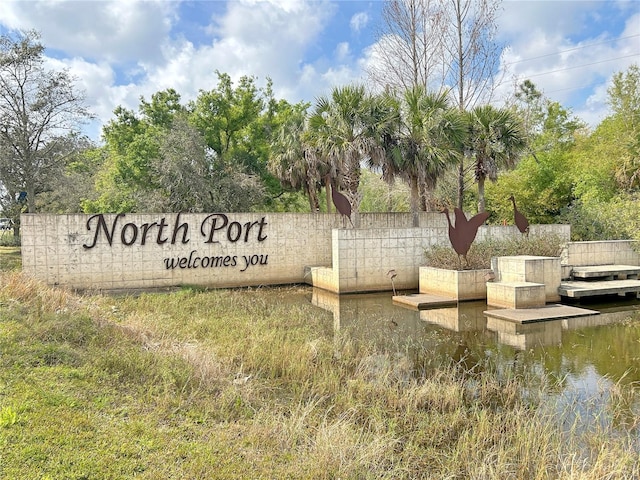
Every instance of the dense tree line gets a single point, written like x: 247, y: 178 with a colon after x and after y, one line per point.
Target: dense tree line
x: 206, y: 155
x: 238, y: 148
x: 588, y: 178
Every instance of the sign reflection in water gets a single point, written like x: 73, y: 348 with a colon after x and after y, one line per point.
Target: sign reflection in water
x: 374, y: 318
x: 579, y: 363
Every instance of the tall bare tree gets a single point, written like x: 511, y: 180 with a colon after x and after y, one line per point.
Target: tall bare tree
x: 474, y: 57
x: 440, y: 44
x: 409, y: 51
x: 39, y: 108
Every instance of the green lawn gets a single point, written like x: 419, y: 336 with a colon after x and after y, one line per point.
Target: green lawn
x: 10, y: 258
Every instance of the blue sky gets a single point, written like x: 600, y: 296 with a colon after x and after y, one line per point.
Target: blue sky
x: 120, y: 50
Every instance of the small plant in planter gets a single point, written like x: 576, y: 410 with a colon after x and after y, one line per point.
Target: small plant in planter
x: 443, y: 276
x: 481, y: 253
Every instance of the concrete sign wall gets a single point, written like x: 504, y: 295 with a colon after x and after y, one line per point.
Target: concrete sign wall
x: 151, y: 251
x: 140, y: 251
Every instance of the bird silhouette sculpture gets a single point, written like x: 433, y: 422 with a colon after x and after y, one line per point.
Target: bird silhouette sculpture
x: 470, y: 226
x: 463, y: 233
x: 392, y: 274
x: 520, y: 220
x: 342, y: 203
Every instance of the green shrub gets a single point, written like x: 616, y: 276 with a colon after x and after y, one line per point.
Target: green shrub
x: 8, y: 240
x: 615, y: 219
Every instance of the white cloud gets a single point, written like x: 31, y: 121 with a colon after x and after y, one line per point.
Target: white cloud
x: 263, y: 39
x: 520, y: 18
x: 595, y: 107
x: 359, y: 21
x: 342, y: 51
x: 93, y: 79
x: 95, y: 82
x: 116, y: 30
x: 340, y: 75
x: 544, y: 48
x: 123, y: 49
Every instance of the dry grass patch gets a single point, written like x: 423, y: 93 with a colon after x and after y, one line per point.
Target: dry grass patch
x: 480, y: 254
x: 232, y: 384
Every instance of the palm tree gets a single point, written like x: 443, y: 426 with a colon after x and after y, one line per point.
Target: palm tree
x: 426, y: 142
x: 293, y: 161
x: 344, y: 130
x: 496, y: 140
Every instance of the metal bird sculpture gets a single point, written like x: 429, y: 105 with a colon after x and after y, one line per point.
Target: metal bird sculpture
x: 470, y: 226
x: 520, y: 220
x: 464, y: 232
x: 342, y: 203
x: 457, y: 242
x: 392, y: 274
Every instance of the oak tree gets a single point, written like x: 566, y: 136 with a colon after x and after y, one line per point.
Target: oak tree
x: 39, y: 109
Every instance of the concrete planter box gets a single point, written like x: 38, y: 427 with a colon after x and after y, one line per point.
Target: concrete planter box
x: 530, y: 268
x: 458, y: 284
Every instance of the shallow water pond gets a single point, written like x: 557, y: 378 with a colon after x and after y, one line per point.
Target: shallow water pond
x: 588, y: 368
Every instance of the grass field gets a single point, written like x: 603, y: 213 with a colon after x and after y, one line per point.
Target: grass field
x: 229, y: 384
x: 10, y: 258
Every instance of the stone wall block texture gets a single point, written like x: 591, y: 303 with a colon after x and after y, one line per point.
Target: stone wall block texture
x: 240, y: 249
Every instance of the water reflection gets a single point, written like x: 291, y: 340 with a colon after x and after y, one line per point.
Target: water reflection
x: 584, y: 362
x: 605, y: 345
x: 375, y: 318
x: 466, y: 317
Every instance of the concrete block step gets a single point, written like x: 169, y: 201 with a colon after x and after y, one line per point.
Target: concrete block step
x: 516, y: 294
x: 542, y: 314
x: 619, y: 272
x: 579, y: 289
